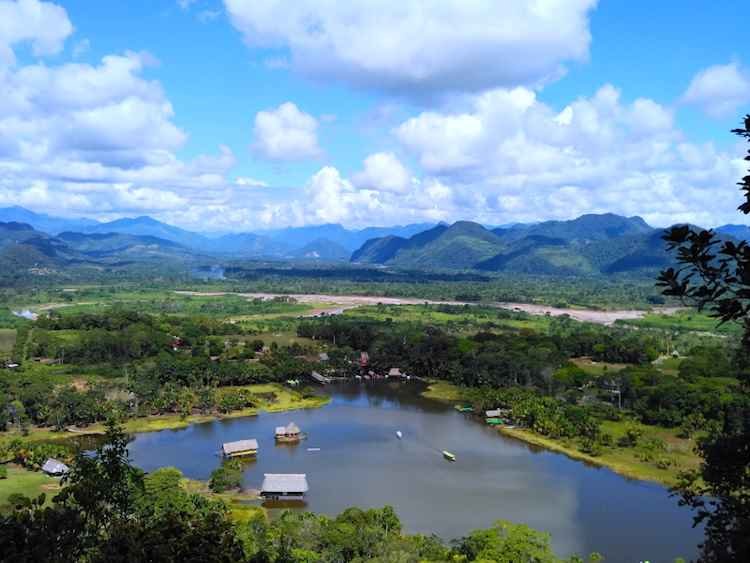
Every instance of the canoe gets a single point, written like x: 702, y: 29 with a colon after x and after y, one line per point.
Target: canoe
x: 449, y: 456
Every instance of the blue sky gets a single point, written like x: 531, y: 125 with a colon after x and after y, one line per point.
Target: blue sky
x: 244, y: 115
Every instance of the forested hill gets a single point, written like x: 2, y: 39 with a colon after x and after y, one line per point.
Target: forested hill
x: 22, y: 247
x: 589, y: 245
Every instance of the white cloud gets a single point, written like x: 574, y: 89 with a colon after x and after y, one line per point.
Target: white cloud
x: 285, y: 133
x: 421, y: 47
x: 99, y: 139
x: 246, y: 182
x: 510, y: 157
x: 383, y: 172
x: 43, y: 24
x: 719, y: 90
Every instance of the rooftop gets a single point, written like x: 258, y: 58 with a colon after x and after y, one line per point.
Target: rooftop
x: 284, y: 483
x: 54, y: 467
x: 239, y: 446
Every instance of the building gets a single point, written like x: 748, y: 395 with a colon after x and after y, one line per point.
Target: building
x: 288, y: 433
x: 323, y: 356
x: 240, y: 448
x: 284, y: 486
x: 396, y: 372
x: 55, y: 468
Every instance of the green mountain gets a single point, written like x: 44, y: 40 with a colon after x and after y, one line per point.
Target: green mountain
x: 589, y: 245
x: 590, y: 227
x: 459, y: 246
x: 25, y: 250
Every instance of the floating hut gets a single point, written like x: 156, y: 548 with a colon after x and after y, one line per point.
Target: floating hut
x: 54, y: 467
x: 288, y: 433
x: 240, y: 448
x: 284, y: 486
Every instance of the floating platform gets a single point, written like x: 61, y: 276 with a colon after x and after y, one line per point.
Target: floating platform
x: 240, y: 448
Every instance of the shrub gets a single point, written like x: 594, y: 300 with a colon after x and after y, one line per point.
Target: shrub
x: 631, y: 437
x: 3, y: 472
x: 226, y: 477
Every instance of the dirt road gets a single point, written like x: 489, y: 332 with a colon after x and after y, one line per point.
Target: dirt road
x: 337, y: 304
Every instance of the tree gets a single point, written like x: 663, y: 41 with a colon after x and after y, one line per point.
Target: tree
x: 109, y: 512
x: 227, y: 476
x: 714, y: 274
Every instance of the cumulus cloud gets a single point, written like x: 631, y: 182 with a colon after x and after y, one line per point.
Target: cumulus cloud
x: 421, y: 47
x: 98, y: 139
x: 510, y: 157
x: 719, y: 90
x: 285, y: 133
x: 383, y: 172
x: 42, y: 24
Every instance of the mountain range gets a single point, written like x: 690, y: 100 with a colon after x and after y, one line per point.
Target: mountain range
x: 320, y: 242
x: 602, y: 244
x: 589, y: 245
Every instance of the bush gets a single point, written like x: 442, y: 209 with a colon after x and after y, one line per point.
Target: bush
x: 3, y: 472
x: 631, y: 437
x: 226, y: 477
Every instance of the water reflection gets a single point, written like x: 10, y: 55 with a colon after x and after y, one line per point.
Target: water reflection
x: 362, y: 463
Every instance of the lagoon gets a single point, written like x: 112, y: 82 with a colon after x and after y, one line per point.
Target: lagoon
x: 362, y: 463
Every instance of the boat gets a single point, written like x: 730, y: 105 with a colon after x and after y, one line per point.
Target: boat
x: 313, y: 449
x: 449, y: 456
x: 398, y: 434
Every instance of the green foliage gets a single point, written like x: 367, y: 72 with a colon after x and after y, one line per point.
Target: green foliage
x: 715, y: 275
x: 226, y: 477
x: 3, y: 472
x: 506, y: 542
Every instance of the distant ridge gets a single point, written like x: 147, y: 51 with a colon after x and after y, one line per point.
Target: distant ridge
x: 592, y: 244
x: 589, y: 245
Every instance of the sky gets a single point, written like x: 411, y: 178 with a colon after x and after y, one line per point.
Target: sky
x: 242, y: 115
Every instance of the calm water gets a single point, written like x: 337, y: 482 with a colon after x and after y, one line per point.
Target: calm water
x: 362, y: 463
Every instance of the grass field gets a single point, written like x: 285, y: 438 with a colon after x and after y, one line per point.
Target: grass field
x: 7, y: 339
x: 28, y: 483
x: 442, y: 391
x: 684, y: 321
x: 457, y: 318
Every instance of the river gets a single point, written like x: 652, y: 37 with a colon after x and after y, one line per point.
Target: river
x: 362, y: 463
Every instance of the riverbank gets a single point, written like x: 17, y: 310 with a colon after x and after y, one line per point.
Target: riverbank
x: 639, y: 462
x: 31, y: 483
x: 285, y: 400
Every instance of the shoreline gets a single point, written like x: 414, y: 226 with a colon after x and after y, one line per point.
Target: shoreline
x: 173, y: 421
x: 629, y: 468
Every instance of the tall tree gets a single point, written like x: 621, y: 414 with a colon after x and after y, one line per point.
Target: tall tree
x: 714, y: 274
